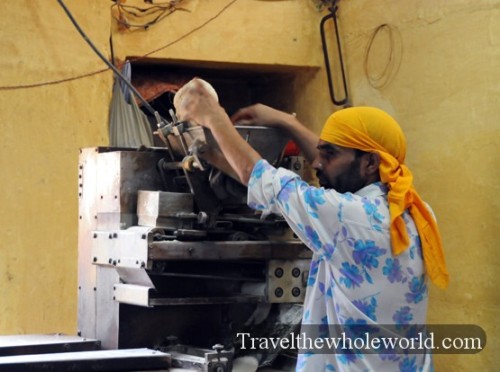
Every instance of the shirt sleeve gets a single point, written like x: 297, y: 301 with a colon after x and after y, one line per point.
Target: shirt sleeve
x: 311, y: 212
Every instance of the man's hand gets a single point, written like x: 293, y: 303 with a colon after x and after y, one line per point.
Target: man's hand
x: 260, y: 114
x: 266, y: 116
x: 197, y: 101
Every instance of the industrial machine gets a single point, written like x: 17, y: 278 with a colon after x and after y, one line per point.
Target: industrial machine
x: 172, y: 262
x: 171, y: 257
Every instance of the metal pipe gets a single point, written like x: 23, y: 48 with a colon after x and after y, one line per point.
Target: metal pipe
x: 332, y: 15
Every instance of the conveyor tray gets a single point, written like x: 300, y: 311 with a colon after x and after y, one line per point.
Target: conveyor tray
x: 45, y: 343
x: 99, y: 360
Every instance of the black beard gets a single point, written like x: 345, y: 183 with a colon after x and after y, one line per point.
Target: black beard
x: 349, y: 181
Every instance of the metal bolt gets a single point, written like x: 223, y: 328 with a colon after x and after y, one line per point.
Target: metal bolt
x: 296, y: 272
x: 202, y: 217
x: 218, y: 347
x: 278, y: 292
x: 278, y: 272
x: 295, y: 292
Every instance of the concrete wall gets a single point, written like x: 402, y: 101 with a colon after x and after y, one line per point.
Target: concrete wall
x: 433, y: 67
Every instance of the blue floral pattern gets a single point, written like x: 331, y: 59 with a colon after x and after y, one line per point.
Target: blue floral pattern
x: 418, y: 290
x: 353, y: 277
x: 402, y: 316
x: 371, y: 209
x: 368, y: 307
x: 392, y: 270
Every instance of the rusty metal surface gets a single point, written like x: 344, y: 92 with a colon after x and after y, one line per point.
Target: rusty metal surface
x: 227, y: 250
x: 241, y: 299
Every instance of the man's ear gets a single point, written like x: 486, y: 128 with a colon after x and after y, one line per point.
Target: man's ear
x: 373, y: 163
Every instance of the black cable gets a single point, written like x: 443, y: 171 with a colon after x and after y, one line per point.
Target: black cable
x: 182, y: 37
x: 110, y: 65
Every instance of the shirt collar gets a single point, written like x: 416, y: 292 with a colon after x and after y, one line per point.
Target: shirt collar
x: 373, y: 190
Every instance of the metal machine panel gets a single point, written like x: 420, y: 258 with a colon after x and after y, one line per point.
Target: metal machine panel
x: 100, y: 360
x: 121, y: 248
x: 132, y: 294
x: 287, y: 280
x: 109, y: 181
x: 42, y: 344
x: 201, y: 268
x: 87, y: 195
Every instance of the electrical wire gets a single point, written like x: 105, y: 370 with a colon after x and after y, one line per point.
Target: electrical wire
x: 393, y: 61
x: 187, y: 34
x: 162, y: 10
x: 101, y: 56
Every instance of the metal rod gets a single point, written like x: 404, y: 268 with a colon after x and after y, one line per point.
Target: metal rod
x: 332, y: 15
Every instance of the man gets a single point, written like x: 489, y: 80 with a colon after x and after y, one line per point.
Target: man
x: 375, y: 242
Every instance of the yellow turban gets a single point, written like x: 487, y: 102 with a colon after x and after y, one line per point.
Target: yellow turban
x: 372, y: 130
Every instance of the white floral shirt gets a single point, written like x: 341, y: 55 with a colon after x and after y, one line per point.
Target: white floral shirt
x: 354, y: 278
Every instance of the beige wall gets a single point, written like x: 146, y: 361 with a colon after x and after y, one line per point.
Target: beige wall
x: 42, y: 129
x: 445, y: 95
x: 443, y: 90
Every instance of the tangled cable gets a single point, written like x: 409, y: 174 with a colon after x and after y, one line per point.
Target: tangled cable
x: 128, y: 15
x: 393, y: 60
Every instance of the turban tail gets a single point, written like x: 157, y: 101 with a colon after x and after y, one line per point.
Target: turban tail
x: 372, y: 130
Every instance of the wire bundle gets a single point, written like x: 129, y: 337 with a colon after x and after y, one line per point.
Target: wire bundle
x: 131, y: 16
